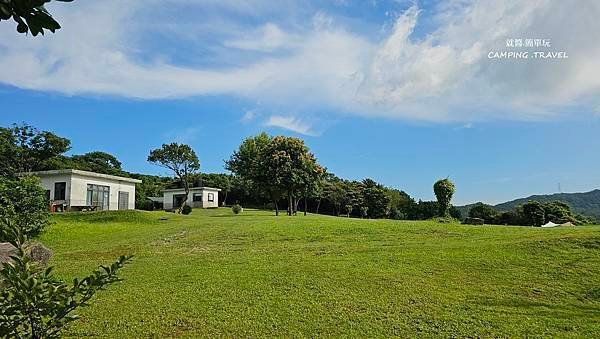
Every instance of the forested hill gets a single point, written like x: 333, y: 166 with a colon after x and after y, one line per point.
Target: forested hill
x: 587, y: 203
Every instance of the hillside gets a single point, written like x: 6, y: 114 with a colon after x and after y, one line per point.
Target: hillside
x: 587, y: 203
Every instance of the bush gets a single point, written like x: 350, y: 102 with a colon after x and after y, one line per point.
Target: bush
x: 237, y: 209
x: 186, y: 210
x: 37, y: 305
x: 23, y: 205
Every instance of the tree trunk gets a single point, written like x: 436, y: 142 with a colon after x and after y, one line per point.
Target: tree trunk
x: 305, y: 207
x: 296, y: 202
x: 225, y: 199
x: 186, y: 188
x: 290, y: 205
x: 276, y: 209
x: 318, y: 205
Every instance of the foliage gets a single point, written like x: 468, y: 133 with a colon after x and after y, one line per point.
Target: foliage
x: 99, y: 162
x: 186, y: 209
x: 348, y: 209
x: 534, y: 213
x: 151, y: 186
x: 236, y: 209
x: 33, y: 303
x: 444, y: 190
x: 587, y: 203
x: 179, y: 158
x: 455, y: 213
x: 364, y: 212
x: 26, y: 149
x: 30, y: 15
x: 375, y: 199
x: 23, y: 206
x: 483, y: 211
x: 279, y: 166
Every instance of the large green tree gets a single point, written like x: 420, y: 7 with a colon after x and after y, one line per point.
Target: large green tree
x: 483, y: 211
x: 375, y: 199
x: 179, y: 158
x: 99, y: 162
x: 25, y: 149
x: 279, y: 166
x: 288, y: 165
x: 29, y: 15
x: 444, y: 190
x: 534, y: 213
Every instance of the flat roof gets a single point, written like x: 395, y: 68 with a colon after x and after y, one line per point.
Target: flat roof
x: 203, y: 188
x: 83, y: 173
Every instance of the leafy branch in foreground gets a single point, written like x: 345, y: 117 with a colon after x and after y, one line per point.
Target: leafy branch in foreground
x: 30, y: 15
x: 34, y: 304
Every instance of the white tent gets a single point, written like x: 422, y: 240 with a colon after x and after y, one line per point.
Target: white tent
x: 550, y: 224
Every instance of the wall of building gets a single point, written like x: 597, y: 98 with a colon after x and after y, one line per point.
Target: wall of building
x: 76, y: 189
x: 49, y: 180
x: 79, y: 190
x: 168, y: 198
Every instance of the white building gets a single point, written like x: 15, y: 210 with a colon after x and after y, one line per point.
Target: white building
x: 199, y: 197
x: 77, y: 190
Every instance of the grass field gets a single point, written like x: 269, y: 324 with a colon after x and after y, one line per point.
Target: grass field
x: 253, y: 275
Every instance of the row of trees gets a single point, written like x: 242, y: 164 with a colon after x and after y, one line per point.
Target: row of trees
x: 266, y: 172
x: 532, y: 213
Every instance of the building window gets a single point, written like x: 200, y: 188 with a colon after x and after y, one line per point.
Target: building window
x: 98, y: 196
x: 60, y: 190
x: 197, y: 197
x: 211, y: 197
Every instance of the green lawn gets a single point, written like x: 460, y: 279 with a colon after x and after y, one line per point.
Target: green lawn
x: 253, y: 275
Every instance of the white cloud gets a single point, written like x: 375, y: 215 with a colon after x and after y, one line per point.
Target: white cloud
x: 444, y: 76
x: 266, y: 39
x: 290, y: 123
x: 184, y: 136
x: 249, y: 116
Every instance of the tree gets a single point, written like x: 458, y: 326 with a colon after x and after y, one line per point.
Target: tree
x: 99, y: 162
x: 245, y: 164
x: 335, y: 193
x: 400, y: 203
x: 30, y: 15
x: 288, y: 166
x: 26, y: 149
x: 533, y: 213
x: 483, y: 211
x: 23, y: 206
x: 375, y: 199
x: 444, y: 190
x: 179, y: 158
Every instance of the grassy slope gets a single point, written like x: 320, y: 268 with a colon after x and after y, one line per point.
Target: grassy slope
x: 215, y: 274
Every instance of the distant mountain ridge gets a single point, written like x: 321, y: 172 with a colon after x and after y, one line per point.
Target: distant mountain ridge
x: 586, y: 203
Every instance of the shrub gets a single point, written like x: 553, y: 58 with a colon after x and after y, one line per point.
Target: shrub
x: 364, y: 211
x: 186, y: 209
x: 34, y: 304
x: 236, y: 209
x: 23, y: 205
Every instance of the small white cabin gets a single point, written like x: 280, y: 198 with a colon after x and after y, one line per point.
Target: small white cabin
x: 72, y: 189
x: 199, y: 197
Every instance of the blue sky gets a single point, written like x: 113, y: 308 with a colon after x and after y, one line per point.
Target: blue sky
x: 399, y: 91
